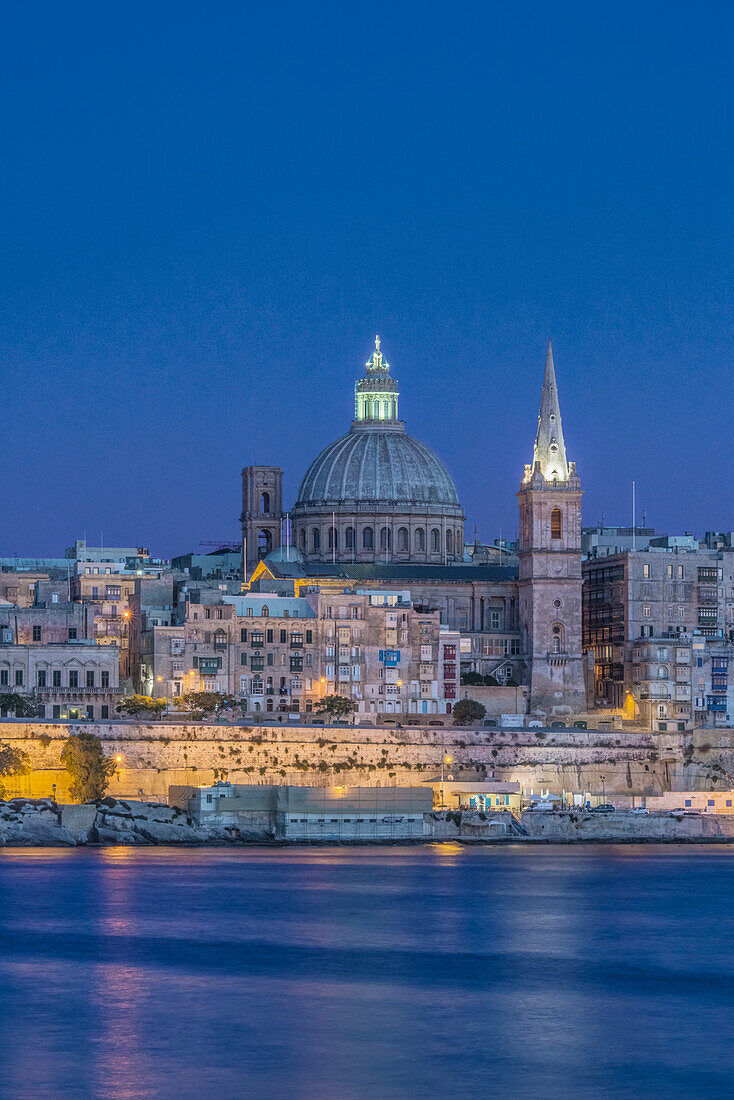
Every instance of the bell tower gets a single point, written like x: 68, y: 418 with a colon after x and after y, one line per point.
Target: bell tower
x: 262, y: 512
x: 550, y: 564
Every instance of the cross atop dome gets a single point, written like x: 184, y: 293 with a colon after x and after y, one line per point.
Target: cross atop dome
x: 376, y: 363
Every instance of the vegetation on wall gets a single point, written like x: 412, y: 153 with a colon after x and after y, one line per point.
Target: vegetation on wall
x: 336, y: 706
x: 205, y: 704
x: 468, y: 712
x: 12, y: 762
x: 90, y: 770
x: 22, y: 706
x: 135, y: 705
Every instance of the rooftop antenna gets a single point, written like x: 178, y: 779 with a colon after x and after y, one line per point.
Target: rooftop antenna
x: 634, y: 544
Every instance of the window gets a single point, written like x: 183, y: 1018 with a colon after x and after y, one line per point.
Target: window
x: 368, y: 539
x: 302, y: 541
x: 243, y: 634
x: 73, y: 678
x: 3, y: 677
x: 680, y: 572
x: 646, y: 571
x: 112, y: 591
x: 556, y: 524
x: 309, y: 637
x: 349, y: 538
x: 646, y: 610
x: 419, y: 539
x: 494, y: 620
x: 269, y: 633
x: 90, y: 678
x: 265, y: 504
x: 105, y: 678
x: 270, y: 659
x: 36, y: 633
x: 402, y: 539
x: 42, y: 677
x: 56, y: 678
x: 72, y: 633
x: 283, y: 636
x: 315, y: 539
x: 333, y: 538
x: 435, y: 540
x: 449, y: 542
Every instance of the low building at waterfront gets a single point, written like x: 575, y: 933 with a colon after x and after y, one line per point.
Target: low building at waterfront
x: 310, y: 813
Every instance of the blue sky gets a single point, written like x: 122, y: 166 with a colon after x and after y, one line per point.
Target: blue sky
x: 208, y: 212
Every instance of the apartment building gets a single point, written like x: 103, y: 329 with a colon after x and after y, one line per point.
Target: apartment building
x: 279, y: 654
x: 660, y: 592
x: 68, y: 680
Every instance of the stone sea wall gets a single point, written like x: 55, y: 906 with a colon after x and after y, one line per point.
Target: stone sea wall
x: 154, y: 756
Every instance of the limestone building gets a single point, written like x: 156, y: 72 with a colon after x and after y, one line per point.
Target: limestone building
x: 379, y: 508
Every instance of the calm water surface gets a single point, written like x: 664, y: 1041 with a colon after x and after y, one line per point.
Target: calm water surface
x: 337, y: 973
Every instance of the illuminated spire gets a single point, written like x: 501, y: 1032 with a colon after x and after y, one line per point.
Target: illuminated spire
x: 376, y: 395
x: 376, y: 363
x: 550, y: 449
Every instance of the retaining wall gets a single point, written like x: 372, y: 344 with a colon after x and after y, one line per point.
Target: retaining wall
x: 154, y: 756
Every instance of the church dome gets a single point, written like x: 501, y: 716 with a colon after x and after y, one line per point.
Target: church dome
x: 376, y: 494
x: 378, y: 463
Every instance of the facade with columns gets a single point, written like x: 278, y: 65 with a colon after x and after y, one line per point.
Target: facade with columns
x: 379, y: 507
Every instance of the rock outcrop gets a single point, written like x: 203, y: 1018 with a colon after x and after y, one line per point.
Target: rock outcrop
x: 26, y: 822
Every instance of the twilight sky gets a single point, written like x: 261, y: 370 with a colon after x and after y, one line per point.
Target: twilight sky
x: 208, y: 211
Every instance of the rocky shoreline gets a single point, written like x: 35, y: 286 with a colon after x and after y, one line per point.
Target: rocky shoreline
x: 42, y: 823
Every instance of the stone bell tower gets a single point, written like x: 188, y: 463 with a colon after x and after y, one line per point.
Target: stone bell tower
x: 550, y: 565
x: 262, y: 512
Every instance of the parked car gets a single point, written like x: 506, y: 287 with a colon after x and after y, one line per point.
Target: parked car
x: 639, y: 810
x: 684, y: 813
x: 604, y: 808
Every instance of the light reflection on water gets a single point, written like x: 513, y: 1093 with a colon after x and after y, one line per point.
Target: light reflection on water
x: 370, y: 972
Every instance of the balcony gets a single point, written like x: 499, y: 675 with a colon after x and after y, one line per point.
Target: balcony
x: 220, y: 647
x: 74, y: 692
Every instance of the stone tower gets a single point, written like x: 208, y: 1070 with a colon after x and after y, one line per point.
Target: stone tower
x: 262, y: 512
x: 550, y: 564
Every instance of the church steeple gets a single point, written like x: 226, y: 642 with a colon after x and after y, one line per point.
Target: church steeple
x: 376, y: 395
x: 549, y: 454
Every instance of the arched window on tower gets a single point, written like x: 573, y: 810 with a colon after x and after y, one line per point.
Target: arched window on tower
x: 449, y: 542
x: 264, y: 543
x: 385, y: 539
x: 349, y: 538
x: 556, y: 524
x: 368, y: 410
x: 315, y: 539
x: 333, y: 539
x: 419, y: 539
x: 435, y: 540
x: 265, y: 503
x: 557, y: 638
x: 368, y: 539
x: 402, y: 540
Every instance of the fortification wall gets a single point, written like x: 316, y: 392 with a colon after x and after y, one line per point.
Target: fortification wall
x: 154, y: 756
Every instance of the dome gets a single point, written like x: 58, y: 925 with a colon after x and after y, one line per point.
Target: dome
x: 285, y: 553
x: 378, y: 463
